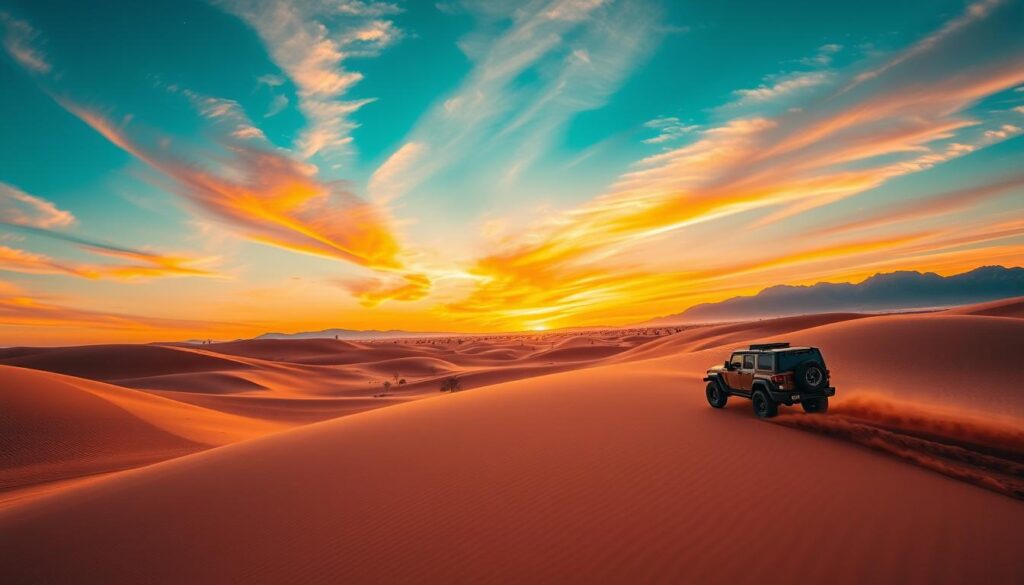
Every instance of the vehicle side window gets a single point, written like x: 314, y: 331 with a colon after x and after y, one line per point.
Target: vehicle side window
x: 737, y: 359
x: 748, y: 362
x: 764, y: 361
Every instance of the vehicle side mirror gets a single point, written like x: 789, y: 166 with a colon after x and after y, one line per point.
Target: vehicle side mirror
x: 728, y: 365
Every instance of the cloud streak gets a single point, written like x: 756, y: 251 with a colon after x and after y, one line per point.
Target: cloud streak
x: 587, y: 48
x: 20, y: 208
x: 135, y: 264
x: 270, y: 198
x: 311, y: 48
x: 22, y: 43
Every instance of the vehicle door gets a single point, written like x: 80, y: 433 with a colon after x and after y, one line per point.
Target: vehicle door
x: 745, y: 375
x: 732, y: 375
x: 765, y: 364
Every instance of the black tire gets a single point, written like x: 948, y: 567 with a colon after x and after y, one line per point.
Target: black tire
x: 810, y: 376
x: 716, y: 397
x: 815, y: 405
x: 764, y: 406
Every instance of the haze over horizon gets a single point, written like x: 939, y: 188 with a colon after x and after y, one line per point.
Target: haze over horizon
x: 229, y: 168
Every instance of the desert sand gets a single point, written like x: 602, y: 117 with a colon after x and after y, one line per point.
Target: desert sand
x: 586, y: 457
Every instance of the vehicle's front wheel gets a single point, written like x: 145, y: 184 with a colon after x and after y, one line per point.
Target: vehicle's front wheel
x: 764, y: 406
x: 716, y: 397
x: 815, y: 405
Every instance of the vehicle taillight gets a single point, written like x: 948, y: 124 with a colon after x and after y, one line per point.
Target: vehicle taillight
x: 778, y: 378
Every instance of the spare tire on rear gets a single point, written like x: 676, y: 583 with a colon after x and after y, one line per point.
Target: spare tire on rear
x: 810, y: 376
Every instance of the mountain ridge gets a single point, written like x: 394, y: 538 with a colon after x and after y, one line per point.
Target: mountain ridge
x: 891, y: 291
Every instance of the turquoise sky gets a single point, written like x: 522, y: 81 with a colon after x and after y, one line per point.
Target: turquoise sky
x: 234, y: 165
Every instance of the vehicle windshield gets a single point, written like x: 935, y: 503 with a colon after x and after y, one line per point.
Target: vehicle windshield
x: 787, y: 360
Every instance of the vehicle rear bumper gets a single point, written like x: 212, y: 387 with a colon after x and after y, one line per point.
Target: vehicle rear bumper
x: 796, y: 396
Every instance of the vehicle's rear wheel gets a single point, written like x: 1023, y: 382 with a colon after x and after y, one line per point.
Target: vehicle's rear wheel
x: 716, y: 397
x: 810, y: 376
x: 764, y: 406
x: 815, y: 405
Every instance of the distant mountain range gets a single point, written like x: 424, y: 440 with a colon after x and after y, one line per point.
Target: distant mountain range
x: 350, y: 334
x: 895, y: 291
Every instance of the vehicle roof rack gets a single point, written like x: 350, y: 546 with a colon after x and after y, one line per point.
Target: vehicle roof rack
x: 763, y: 346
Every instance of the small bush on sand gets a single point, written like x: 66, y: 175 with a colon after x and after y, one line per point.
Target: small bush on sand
x: 451, y: 385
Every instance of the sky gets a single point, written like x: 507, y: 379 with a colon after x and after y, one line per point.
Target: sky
x: 218, y: 169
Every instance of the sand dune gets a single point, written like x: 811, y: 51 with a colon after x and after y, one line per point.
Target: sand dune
x: 60, y: 427
x: 728, y: 335
x: 583, y: 476
x: 960, y: 361
x: 1003, y: 308
x: 112, y: 362
x: 589, y: 457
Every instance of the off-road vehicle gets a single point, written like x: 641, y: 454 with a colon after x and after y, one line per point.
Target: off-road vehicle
x: 770, y: 374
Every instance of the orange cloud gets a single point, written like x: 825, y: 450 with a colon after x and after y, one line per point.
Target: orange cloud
x: 148, y: 265
x: 142, y: 265
x: 946, y: 203
x: 15, y: 260
x: 19, y: 208
x: 271, y: 198
x: 373, y: 291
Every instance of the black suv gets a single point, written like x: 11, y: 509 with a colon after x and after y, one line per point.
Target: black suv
x: 770, y: 374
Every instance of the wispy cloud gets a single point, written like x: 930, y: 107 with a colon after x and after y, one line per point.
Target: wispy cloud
x: 390, y: 180
x: 363, y: 8
x: 782, y: 86
x: 141, y: 265
x: 23, y: 44
x: 311, y: 46
x: 270, y: 198
x: 225, y: 114
x: 277, y: 105
x: 823, y: 57
x: 936, y: 205
x: 135, y: 264
x: 20, y: 208
x: 976, y: 11
x: 17, y: 260
x: 587, y: 49
x: 668, y: 129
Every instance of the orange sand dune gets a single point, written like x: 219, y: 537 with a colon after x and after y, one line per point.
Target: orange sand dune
x: 617, y: 474
x: 697, y: 338
x: 112, y: 362
x: 291, y: 410
x: 58, y: 427
x: 1005, y: 308
x: 954, y: 360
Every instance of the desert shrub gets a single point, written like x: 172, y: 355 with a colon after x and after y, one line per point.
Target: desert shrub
x: 451, y: 385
